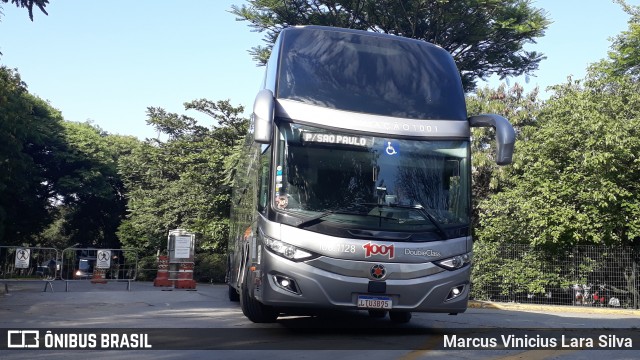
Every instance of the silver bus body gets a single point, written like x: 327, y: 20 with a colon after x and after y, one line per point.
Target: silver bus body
x: 354, y: 188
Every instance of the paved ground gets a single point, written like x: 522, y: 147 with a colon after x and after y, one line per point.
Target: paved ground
x: 69, y: 301
x: 206, y: 316
x: 82, y: 304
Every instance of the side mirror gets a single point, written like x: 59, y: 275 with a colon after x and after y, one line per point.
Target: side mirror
x: 505, y: 135
x: 262, y: 117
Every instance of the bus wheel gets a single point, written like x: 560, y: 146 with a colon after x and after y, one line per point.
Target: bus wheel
x: 233, y: 294
x: 401, y: 317
x: 378, y: 314
x: 255, y: 310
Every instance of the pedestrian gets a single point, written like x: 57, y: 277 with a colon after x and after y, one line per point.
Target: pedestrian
x: 52, y: 269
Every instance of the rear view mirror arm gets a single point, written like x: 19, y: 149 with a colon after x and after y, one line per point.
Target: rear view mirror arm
x: 505, y: 135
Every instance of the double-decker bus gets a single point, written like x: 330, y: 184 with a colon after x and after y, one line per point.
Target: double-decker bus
x: 354, y: 189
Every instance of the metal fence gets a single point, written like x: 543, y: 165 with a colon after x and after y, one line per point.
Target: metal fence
x: 28, y: 263
x: 80, y: 263
x: 581, y: 276
x: 32, y: 264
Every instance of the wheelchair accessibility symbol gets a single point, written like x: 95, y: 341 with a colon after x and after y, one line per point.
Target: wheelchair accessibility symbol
x: 390, y: 149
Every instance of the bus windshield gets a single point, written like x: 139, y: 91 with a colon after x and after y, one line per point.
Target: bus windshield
x: 364, y: 72
x: 369, y: 182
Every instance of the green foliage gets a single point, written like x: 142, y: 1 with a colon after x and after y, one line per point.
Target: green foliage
x: 59, y: 183
x: 89, y: 201
x: 521, y: 110
x: 624, y: 56
x: 210, y: 268
x: 484, y: 37
x: 29, y: 138
x: 514, y: 270
x: 182, y: 182
x: 575, y: 180
x: 147, y: 267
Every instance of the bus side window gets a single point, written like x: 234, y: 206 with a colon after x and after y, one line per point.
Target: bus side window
x: 263, y: 184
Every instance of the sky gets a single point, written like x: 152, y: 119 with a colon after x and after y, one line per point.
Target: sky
x: 107, y: 61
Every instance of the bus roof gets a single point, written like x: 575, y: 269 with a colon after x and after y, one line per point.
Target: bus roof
x: 367, y: 72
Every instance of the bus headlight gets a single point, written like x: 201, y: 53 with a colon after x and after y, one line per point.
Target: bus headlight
x: 286, y: 250
x: 455, y: 262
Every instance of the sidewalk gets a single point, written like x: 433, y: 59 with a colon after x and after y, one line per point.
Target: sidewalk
x: 477, y: 304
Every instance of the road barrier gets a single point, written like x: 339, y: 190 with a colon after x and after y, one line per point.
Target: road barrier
x: 162, y: 279
x: 113, y: 264
x: 29, y: 263
x: 99, y: 266
x: 185, y: 277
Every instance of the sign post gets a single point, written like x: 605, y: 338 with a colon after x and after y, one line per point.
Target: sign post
x: 181, y: 247
x: 103, y: 259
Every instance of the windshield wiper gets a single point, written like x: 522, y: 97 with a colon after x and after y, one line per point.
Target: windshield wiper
x: 422, y: 210
x: 325, y: 214
x: 439, y: 229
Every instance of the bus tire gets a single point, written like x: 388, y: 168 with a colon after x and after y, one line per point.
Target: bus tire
x: 400, y: 317
x: 233, y: 294
x: 254, y: 310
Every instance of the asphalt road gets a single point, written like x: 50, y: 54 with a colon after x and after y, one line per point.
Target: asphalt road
x: 204, y: 324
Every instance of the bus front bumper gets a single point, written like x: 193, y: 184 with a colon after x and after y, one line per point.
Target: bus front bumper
x: 299, y: 284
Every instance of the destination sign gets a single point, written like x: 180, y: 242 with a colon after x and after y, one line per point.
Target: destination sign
x: 335, y: 139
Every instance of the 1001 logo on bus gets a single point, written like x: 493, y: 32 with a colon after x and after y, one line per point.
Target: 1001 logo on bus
x: 375, y: 249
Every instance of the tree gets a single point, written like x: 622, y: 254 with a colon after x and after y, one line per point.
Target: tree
x: 29, y: 137
x: 182, y: 182
x: 522, y: 111
x: 576, y: 179
x: 41, y: 4
x: 59, y: 183
x: 89, y: 194
x: 484, y: 37
x: 624, y: 56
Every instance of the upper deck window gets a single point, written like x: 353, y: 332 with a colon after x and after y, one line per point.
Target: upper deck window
x: 369, y: 73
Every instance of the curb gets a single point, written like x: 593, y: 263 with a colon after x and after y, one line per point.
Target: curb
x: 477, y: 304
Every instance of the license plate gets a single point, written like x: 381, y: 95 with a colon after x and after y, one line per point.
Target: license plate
x: 374, y: 302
